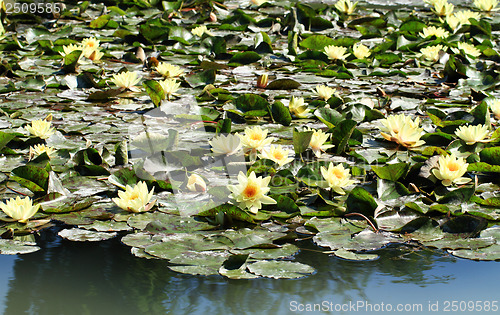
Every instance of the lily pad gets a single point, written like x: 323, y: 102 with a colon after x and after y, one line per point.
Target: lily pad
x: 280, y: 269
x: 80, y: 235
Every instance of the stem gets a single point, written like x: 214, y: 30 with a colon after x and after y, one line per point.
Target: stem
x: 364, y: 217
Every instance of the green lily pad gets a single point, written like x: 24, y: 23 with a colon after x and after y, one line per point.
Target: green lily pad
x: 13, y: 247
x: 280, y: 269
x: 80, y: 235
x: 345, y: 254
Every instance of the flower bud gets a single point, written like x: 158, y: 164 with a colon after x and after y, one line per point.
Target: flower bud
x: 262, y: 81
x: 196, y: 183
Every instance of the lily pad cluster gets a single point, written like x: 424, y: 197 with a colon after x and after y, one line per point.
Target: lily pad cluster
x: 355, y: 127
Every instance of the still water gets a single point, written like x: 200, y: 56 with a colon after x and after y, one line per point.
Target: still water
x: 104, y: 278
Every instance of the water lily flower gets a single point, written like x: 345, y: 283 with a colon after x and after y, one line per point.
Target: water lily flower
x: 336, y: 52
x: 298, y: 108
x: 346, y: 6
x: 38, y: 149
x: 277, y: 154
x: 495, y: 106
x: 19, y: 209
x: 135, y: 199
x: 442, y: 7
x: 168, y: 70
x: 439, y: 32
x: 196, y: 183
x: 126, y: 80
x: 472, y: 134
x: 450, y: 170
x: 337, y: 177
x: 486, y: 5
x: 318, y: 139
x: 262, y: 81
x: 258, y: 2
x: 324, y: 92
x: 402, y: 130
x: 200, y: 30
x: 432, y: 52
x: 469, y: 49
x: 68, y: 49
x: 225, y: 145
x: 464, y: 16
x: 250, y: 192
x: 90, y: 48
x: 360, y: 51
x: 255, y: 139
x: 170, y: 86
x: 452, y: 21
x: 41, y: 128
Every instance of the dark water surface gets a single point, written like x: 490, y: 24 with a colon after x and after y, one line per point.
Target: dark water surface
x: 104, y: 278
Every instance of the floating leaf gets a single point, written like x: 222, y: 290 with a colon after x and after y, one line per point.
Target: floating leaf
x: 301, y: 140
x: 13, y: 247
x: 391, y: 172
x: 280, y: 269
x: 80, y: 235
x: 281, y: 114
x: 346, y: 254
x: 245, y: 58
x: 201, y: 78
x: 155, y: 91
x: 283, y: 84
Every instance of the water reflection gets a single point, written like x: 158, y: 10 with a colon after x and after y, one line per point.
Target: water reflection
x: 82, y: 278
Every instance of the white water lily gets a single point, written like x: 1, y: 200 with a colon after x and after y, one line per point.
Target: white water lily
x: 360, y: 51
x: 486, y: 5
x: 225, y: 144
x: 432, y: 52
x: 336, y: 52
x: 41, y: 128
x: 38, y: 149
x: 255, y: 139
x: 168, y: 70
x: 464, y: 16
x: 472, y: 134
x: 402, y: 130
x: 494, y: 104
x: 469, y: 49
x: 250, y: 192
x: 196, y: 183
x: 452, y: 21
x: 68, y: 49
x: 91, y: 49
x: 298, y: 108
x: 170, y: 87
x: 337, y: 177
x: 126, y: 80
x: 442, y: 7
x: 19, y: 209
x: 450, y: 170
x: 324, y: 92
x: 317, y: 143
x: 135, y: 199
x: 439, y: 32
x: 346, y: 6
x: 277, y: 154
x: 200, y: 30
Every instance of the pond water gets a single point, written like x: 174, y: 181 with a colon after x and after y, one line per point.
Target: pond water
x: 104, y: 278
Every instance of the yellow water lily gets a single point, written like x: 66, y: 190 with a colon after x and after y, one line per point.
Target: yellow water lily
x: 324, y: 92
x: 126, y: 80
x: 135, y: 199
x: 170, y: 87
x: 469, y: 49
x: 38, y: 149
x: 486, y: 5
x: 452, y: 21
x: 298, y: 108
x: 450, y: 170
x: 317, y: 143
x: 19, y: 209
x: 255, y: 139
x: 464, y: 16
x: 225, y: 144
x: 442, y: 7
x: 472, y: 134
x: 200, y: 30
x: 346, y: 6
x: 432, y: 52
x: 91, y: 48
x: 277, y: 154
x: 337, y: 177
x: 439, y: 32
x: 336, y: 52
x: 402, y: 130
x: 68, y: 49
x: 168, y: 70
x: 360, y: 51
x: 494, y: 106
x: 196, y: 183
x: 41, y: 128
x: 250, y: 192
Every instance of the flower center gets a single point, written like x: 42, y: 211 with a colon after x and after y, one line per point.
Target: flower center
x: 134, y: 195
x: 250, y: 191
x: 278, y: 155
x: 338, y: 173
x: 256, y: 137
x: 453, y: 166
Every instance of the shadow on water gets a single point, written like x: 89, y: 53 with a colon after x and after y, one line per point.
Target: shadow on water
x: 104, y: 278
